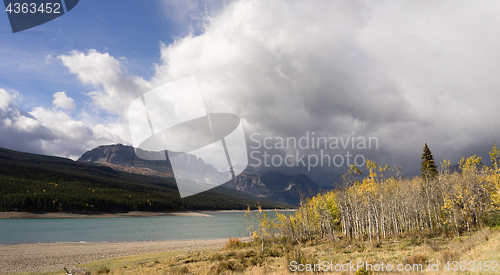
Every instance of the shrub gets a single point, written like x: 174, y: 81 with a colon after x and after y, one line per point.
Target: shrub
x: 233, y: 242
x: 257, y: 260
x: 226, y: 266
x: 416, y: 259
x: 491, y: 218
x: 179, y: 270
x: 377, y: 244
x: 357, y: 246
x: 449, y: 256
x: 103, y: 270
x: 217, y: 257
x: 415, y: 240
x: 299, y: 257
x: 273, y: 252
x: 434, y: 245
x: 363, y: 271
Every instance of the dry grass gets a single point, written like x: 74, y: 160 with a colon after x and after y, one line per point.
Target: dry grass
x: 419, y: 259
x: 239, y: 258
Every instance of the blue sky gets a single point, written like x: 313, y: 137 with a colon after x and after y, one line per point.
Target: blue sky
x: 406, y: 72
x: 131, y: 29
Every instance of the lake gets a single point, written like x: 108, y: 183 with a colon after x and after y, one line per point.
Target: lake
x: 219, y: 225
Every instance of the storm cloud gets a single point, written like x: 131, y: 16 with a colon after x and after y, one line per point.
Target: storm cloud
x: 407, y: 73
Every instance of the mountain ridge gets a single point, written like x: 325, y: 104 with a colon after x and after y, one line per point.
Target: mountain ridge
x: 272, y: 185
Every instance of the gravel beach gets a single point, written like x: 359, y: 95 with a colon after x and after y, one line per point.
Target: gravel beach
x: 45, y: 257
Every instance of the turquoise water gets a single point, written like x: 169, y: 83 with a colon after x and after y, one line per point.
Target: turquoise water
x: 219, y: 225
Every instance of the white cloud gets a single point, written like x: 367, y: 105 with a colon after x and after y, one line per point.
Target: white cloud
x: 114, y: 88
x: 61, y: 100
x: 94, y: 68
x: 52, y: 132
x: 5, y: 99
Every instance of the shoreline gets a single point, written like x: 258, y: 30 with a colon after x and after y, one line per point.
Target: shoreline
x: 66, y: 215
x: 208, y: 212
x: 48, y: 257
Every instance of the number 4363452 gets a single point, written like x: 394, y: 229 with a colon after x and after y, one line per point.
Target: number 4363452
x: 33, y: 8
x: 471, y: 266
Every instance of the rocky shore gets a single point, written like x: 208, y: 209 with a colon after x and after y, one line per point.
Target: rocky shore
x: 47, y: 257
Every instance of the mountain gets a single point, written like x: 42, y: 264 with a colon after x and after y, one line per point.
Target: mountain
x: 30, y: 182
x: 124, y: 158
x: 276, y: 186
x: 271, y: 185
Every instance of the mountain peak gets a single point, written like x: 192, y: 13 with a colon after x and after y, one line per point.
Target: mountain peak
x: 122, y: 155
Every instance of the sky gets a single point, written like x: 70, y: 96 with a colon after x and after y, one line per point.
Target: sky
x: 404, y: 72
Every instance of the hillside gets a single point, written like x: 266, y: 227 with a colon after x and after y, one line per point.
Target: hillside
x: 30, y: 182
